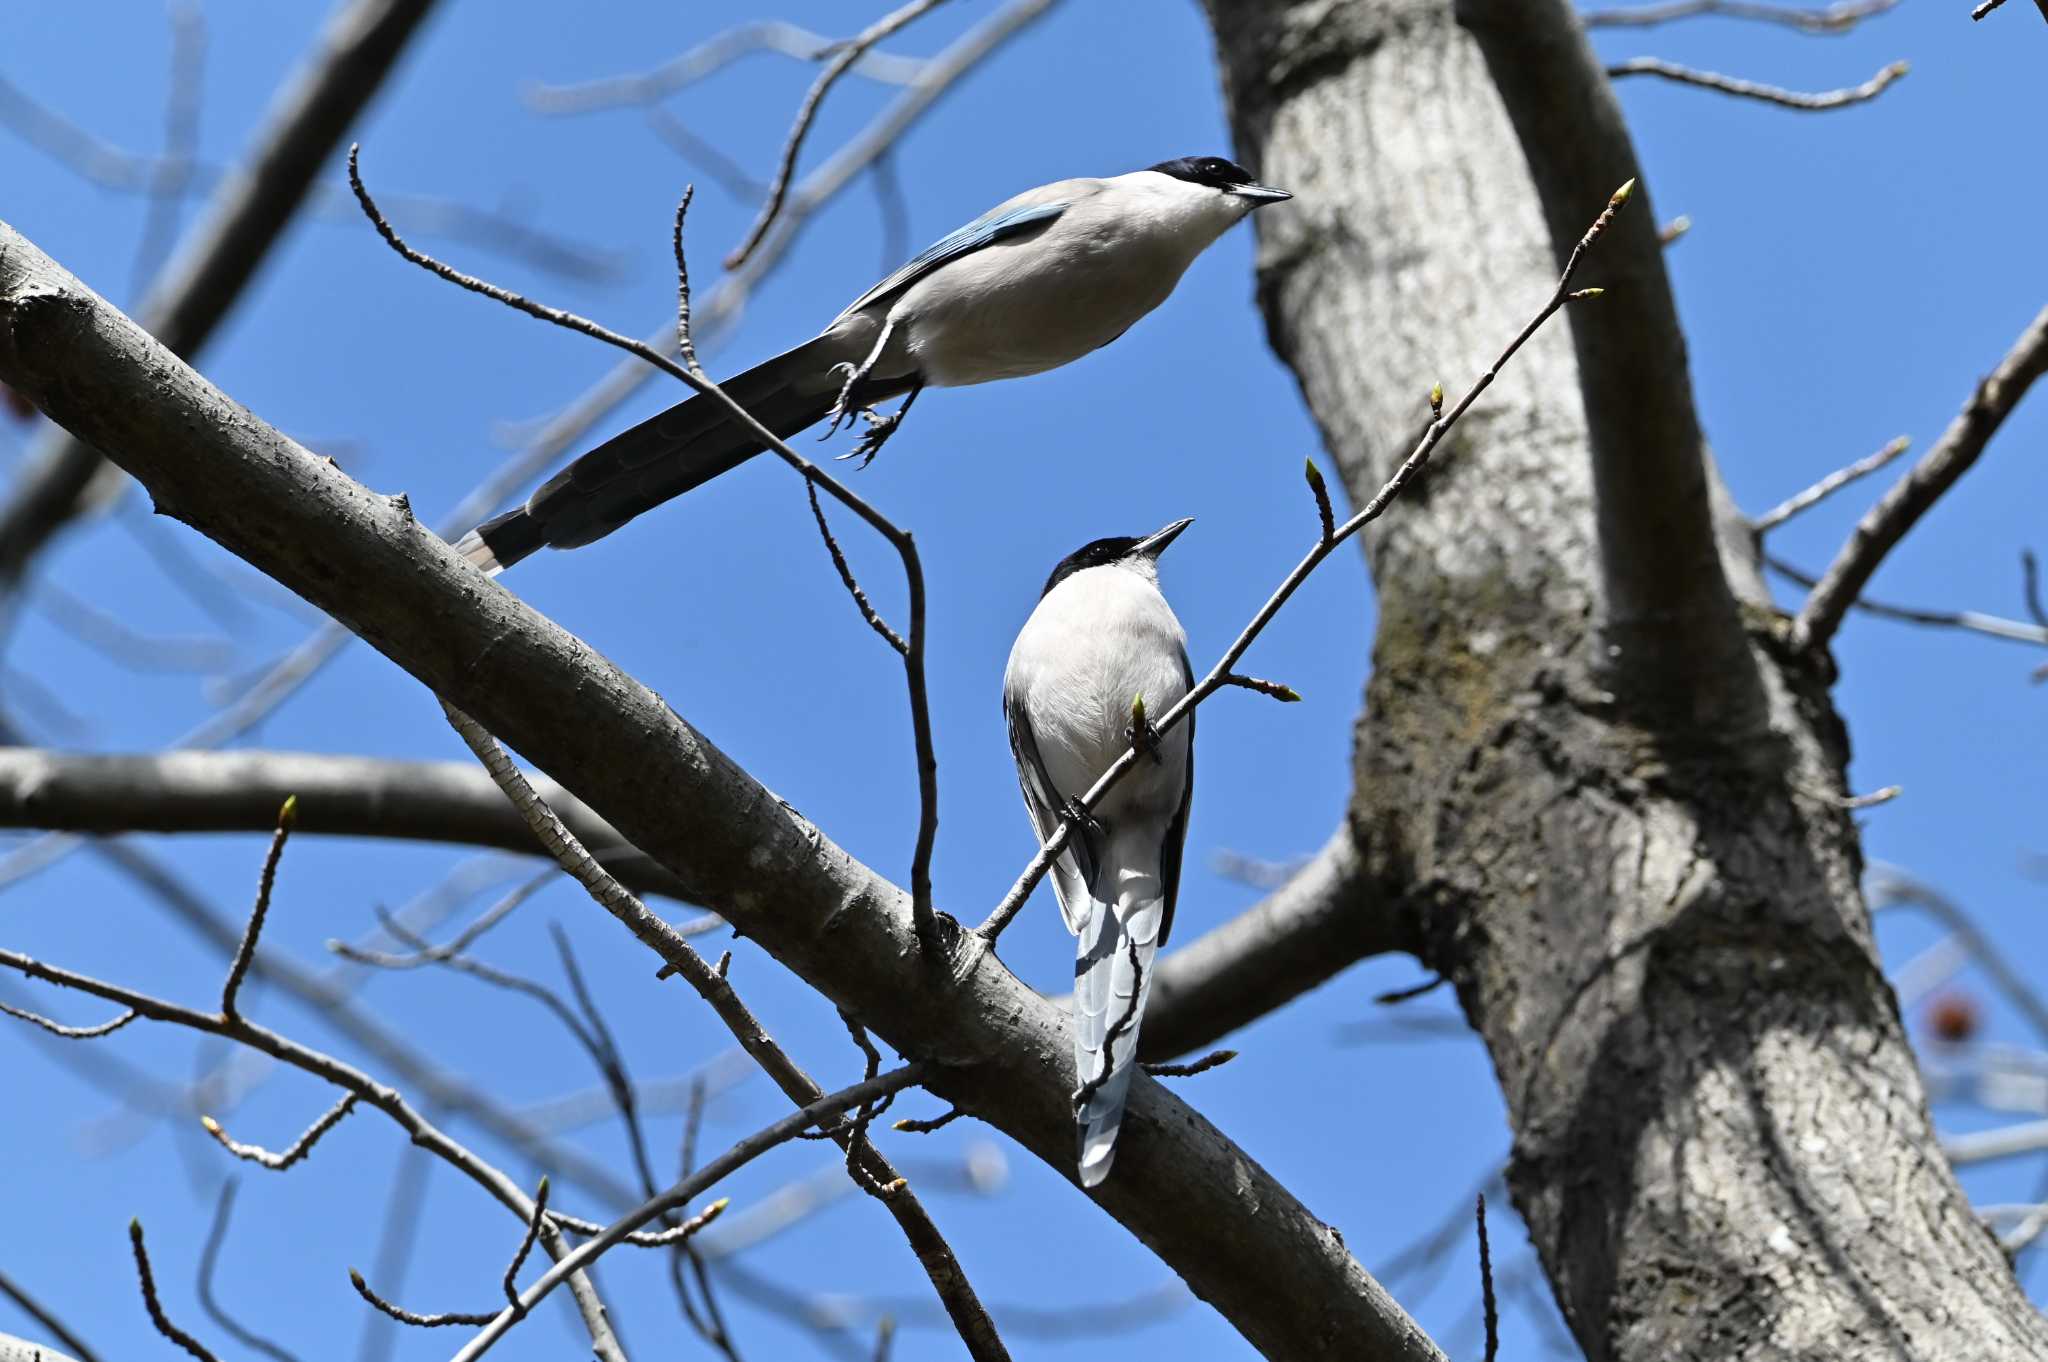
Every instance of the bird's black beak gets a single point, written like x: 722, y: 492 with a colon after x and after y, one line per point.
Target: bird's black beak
x: 1152, y: 545
x: 1261, y: 194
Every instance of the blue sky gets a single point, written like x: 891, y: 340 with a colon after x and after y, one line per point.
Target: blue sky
x: 1846, y: 279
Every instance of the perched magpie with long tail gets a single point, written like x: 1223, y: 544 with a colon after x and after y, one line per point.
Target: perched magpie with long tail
x: 1101, y: 638
x: 1032, y: 284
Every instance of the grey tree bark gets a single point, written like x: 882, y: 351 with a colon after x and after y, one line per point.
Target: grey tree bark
x: 1592, y: 787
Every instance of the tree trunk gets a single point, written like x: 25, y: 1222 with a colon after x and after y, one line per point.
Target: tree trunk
x: 1601, y: 795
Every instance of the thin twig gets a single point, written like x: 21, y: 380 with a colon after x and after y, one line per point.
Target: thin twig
x: 916, y: 1127
x: 1914, y: 495
x: 1214, y: 1059
x: 1811, y: 101
x: 540, y: 1210
x: 173, y: 171
x: 686, y: 1190
x: 1993, y: 626
x: 853, y: 587
x: 106, y: 1028
x: 1013, y: 902
x: 1829, y: 485
x: 900, y: 539
x: 723, y: 305
x: 156, y: 1309
x: 842, y: 61
x: 1836, y: 18
x: 2030, y: 587
x: 209, y: 1258
x: 1321, y: 490
x: 398, y: 1312
x: 1888, y: 886
x: 1489, y: 1304
x: 386, y: 1099
x: 716, y: 53
x: 300, y: 1147
x: 955, y: 1292
x: 1402, y: 995
x: 36, y: 1311
x: 603, y: 1048
x: 246, y: 952
x: 1286, y: 695
x: 433, y: 955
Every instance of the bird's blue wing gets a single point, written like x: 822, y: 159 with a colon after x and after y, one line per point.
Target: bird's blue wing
x: 983, y: 231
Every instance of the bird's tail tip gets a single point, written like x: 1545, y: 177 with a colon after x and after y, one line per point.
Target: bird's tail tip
x: 473, y: 547
x: 501, y: 541
x: 1098, y: 1152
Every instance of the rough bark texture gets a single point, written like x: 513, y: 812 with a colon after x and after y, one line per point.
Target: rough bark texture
x: 1721, y: 1145
x: 1237, y: 1237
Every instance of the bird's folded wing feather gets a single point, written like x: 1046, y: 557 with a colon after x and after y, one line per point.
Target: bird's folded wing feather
x: 1007, y: 221
x: 1177, y: 830
x: 1074, y: 871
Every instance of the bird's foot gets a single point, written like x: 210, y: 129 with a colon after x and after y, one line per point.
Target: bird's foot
x: 1076, y: 816
x: 843, y: 408
x: 880, y: 428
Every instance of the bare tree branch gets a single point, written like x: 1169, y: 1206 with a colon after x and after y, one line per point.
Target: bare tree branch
x: 1829, y: 485
x: 865, y: 1162
x: 1915, y: 494
x: 1668, y: 615
x: 712, y: 55
x: 298, y: 1149
x: 240, y: 791
x: 1816, y: 101
x: 156, y: 1309
x: 1972, y: 621
x: 721, y: 305
x: 844, y: 56
x: 181, y: 141
x: 209, y: 1259
x: 128, y: 172
x: 36, y: 1311
x: 1839, y: 17
x: 693, y: 376
x: 385, y: 1099
x: 687, y: 1190
x: 1181, y: 1186
x: 357, y: 51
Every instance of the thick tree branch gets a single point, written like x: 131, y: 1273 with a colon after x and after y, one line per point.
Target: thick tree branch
x: 1667, y: 605
x: 1654, y: 931
x: 1915, y: 494
x: 1321, y: 922
x: 1002, y: 1051
x: 240, y: 791
x: 358, y: 49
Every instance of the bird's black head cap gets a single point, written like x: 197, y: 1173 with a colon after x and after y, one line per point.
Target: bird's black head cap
x: 1100, y: 553
x: 1213, y: 171
x: 1105, y: 552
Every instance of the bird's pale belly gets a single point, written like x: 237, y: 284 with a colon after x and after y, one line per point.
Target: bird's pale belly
x: 1010, y: 324
x: 1082, y: 737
